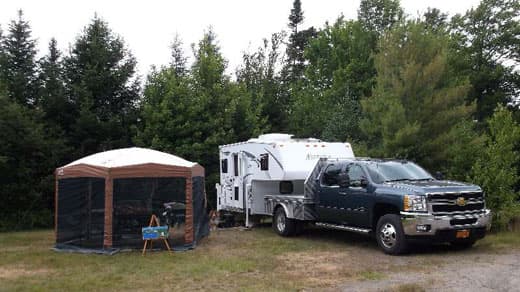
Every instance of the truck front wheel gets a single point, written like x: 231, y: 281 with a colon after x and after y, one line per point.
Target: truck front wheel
x: 283, y: 225
x: 390, y: 235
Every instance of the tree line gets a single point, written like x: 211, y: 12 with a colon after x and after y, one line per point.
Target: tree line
x: 442, y: 91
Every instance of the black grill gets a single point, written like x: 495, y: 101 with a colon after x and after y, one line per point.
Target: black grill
x: 463, y: 221
x: 454, y: 196
x: 456, y: 208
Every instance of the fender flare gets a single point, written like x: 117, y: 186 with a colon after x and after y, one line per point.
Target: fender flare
x: 285, y: 209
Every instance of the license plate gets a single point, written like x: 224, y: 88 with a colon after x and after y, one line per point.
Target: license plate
x: 462, y: 234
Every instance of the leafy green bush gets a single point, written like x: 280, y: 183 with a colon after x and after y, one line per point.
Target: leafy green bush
x: 495, y: 170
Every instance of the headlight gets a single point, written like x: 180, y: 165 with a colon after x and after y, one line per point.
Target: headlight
x: 414, y: 203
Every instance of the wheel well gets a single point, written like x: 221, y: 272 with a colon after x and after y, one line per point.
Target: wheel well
x: 279, y: 206
x: 381, y: 210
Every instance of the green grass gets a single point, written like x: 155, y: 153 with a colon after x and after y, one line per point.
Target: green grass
x: 228, y: 260
x: 502, y: 240
x: 371, y: 275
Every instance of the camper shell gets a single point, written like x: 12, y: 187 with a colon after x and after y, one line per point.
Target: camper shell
x: 271, y: 170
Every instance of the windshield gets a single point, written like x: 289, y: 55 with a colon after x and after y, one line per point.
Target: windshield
x: 387, y: 171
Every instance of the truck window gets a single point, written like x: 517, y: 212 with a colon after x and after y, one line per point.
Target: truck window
x: 286, y: 187
x: 330, y: 175
x: 355, y: 174
x: 264, y: 161
x: 224, y: 165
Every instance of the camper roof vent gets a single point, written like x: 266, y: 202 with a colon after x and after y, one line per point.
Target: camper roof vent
x: 274, y: 137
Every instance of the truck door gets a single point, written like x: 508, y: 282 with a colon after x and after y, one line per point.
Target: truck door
x: 357, y: 199
x: 329, y: 207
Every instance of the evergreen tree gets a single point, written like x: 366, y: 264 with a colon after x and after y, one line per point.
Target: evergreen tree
x: 52, y: 98
x: 178, y: 60
x: 298, y: 40
x: 19, y: 69
x: 418, y: 105
x: 379, y: 15
x: 191, y: 115
x: 102, y: 86
x: 26, y: 164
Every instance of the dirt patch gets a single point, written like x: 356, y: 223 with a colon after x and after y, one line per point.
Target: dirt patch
x: 457, y: 272
x: 17, y: 272
x: 317, y: 268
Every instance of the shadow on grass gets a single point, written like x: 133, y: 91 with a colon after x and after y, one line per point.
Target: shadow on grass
x: 491, y: 243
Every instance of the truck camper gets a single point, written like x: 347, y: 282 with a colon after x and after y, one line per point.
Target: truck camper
x: 271, y: 167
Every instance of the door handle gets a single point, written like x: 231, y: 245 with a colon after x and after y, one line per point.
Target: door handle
x: 342, y: 193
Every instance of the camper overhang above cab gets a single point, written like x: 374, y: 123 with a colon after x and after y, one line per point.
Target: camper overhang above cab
x: 282, y: 157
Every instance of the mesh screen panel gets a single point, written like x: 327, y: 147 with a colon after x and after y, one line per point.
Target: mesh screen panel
x: 136, y: 199
x: 81, y: 211
x: 200, y: 216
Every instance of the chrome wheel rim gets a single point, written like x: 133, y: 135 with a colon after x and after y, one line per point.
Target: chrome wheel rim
x: 388, y: 235
x: 280, y: 222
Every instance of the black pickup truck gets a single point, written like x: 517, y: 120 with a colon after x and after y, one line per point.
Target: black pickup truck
x: 394, y: 200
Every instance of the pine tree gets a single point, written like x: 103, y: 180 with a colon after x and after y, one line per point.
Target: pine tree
x: 298, y: 40
x: 101, y: 82
x: 178, y: 60
x: 191, y: 114
x: 26, y: 163
x: 19, y: 70
x: 418, y: 104
x: 52, y: 98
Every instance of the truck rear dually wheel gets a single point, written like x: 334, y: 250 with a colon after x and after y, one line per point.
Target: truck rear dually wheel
x: 283, y: 225
x: 390, y: 235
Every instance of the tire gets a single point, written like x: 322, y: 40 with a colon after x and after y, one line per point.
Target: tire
x: 299, y: 226
x: 283, y: 225
x: 462, y: 244
x: 390, y: 235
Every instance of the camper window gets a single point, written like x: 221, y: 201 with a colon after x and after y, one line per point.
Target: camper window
x: 235, y: 163
x: 286, y: 187
x: 224, y: 165
x: 264, y: 161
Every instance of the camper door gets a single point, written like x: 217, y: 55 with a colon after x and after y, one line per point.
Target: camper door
x: 238, y: 181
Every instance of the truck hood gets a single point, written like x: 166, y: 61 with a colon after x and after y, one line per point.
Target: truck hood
x: 433, y: 186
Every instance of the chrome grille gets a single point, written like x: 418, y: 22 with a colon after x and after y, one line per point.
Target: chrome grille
x: 446, y: 203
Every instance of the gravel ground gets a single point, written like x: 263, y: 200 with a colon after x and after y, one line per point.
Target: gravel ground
x: 472, y: 271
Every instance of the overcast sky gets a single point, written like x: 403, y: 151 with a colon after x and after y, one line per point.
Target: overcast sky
x: 148, y: 27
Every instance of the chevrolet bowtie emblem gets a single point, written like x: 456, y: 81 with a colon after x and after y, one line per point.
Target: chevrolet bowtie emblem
x: 460, y: 201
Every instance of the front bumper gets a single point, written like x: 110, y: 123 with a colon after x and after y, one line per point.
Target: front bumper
x: 423, y: 224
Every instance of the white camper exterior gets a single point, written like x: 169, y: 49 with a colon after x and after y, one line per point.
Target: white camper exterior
x: 252, y: 172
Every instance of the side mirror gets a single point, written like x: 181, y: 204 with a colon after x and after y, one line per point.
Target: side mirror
x: 343, y: 180
x: 364, y: 182
x: 439, y: 175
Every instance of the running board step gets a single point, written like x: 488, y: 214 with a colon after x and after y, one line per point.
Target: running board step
x: 343, y: 227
